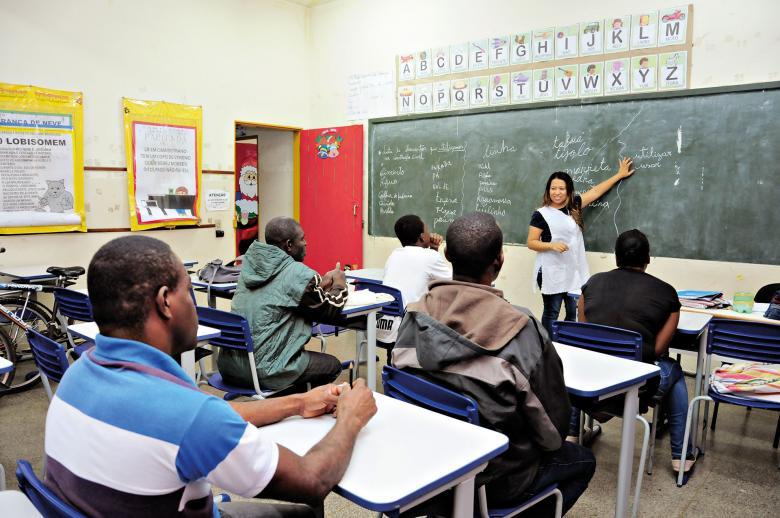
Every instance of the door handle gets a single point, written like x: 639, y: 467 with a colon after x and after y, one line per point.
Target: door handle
x: 354, y: 209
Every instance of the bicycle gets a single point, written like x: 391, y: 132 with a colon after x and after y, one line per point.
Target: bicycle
x: 17, y: 315
x: 20, y: 312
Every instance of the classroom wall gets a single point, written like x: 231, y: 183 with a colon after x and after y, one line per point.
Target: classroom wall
x: 238, y: 59
x: 733, y: 44
x: 275, y: 175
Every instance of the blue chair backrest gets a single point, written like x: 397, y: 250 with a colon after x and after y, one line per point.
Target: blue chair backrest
x: 395, y: 308
x: 73, y: 304
x: 407, y: 387
x: 741, y: 340
x: 234, y: 329
x: 45, y: 501
x: 49, y: 355
x: 603, y: 339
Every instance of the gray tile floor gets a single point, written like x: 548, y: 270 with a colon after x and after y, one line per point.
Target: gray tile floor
x: 737, y: 477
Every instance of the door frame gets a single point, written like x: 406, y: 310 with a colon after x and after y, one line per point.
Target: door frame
x: 296, y: 131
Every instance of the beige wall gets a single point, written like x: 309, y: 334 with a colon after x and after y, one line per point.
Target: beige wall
x: 238, y: 59
x: 733, y: 43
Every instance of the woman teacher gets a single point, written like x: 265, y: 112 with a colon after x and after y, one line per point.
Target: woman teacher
x: 555, y: 234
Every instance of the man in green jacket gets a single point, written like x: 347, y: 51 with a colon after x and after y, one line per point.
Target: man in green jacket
x: 280, y: 297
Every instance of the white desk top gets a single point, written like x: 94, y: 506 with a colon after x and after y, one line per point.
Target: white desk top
x: 591, y: 374
x: 89, y: 330
x: 16, y: 505
x: 5, y: 365
x: 222, y: 286
x: 756, y: 316
x: 373, y: 274
x: 692, y: 323
x: 404, y: 452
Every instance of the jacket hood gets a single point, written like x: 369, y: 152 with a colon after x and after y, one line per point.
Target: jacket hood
x: 262, y: 263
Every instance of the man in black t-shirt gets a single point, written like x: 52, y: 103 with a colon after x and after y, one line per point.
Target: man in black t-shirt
x: 629, y: 298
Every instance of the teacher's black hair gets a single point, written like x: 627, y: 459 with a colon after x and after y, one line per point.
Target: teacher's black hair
x: 574, y: 208
x: 123, y: 279
x: 474, y: 241
x: 632, y: 249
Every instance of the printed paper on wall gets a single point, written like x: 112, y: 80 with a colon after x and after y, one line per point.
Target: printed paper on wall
x: 544, y: 84
x: 423, y: 64
x: 459, y: 90
x: 644, y: 30
x: 521, y: 48
x: 405, y: 100
x: 406, y: 67
x: 499, y: 89
x: 672, y: 26
x: 591, y: 38
x: 441, y: 61
x: 521, y: 86
x: 672, y: 70
x: 41, y: 160
x: 423, y: 98
x: 617, y: 33
x: 499, y: 51
x: 479, y: 90
x: 644, y: 73
x: 591, y: 79
x: 478, y: 55
x: 543, y: 44
x: 459, y: 58
x: 441, y: 96
x: 617, y: 78
x: 163, y: 148
x: 566, y: 39
x: 566, y: 81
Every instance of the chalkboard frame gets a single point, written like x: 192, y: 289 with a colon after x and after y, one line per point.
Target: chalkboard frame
x: 693, y: 92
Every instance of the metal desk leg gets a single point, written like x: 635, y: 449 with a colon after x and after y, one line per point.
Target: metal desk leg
x: 463, y: 503
x: 188, y: 363
x: 625, y: 465
x: 212, y: 300
x: 697, y: 389
x: 371, y: 350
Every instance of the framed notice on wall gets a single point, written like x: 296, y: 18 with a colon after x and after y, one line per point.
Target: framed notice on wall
x: 41, y: 160
x: 163, y: 149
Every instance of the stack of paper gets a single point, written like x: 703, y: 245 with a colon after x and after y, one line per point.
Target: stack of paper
x: 702, y: 299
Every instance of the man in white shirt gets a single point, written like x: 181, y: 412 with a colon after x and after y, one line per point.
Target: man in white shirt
x: 411, y: 267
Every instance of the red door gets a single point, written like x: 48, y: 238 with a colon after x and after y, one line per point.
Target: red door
x: 332, y: 196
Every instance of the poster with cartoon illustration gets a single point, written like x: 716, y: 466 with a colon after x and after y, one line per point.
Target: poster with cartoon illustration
x: 521, y: 86
x: 441, y: 96
x: 247, y: 201
x: 459, y: 90
x: 163, y: 144
x: 672, y: 26
x: 566, y: 39
x: 616, y: 76
x: 544, y: 84
x: 327, y: 144
x: 479, y: 89
x: 41, y: 160
x: 617, y: 33
x: 591, y: 82
x: 591, y: 38
x: 423, y: 64
x: 499, y: 51
x: 566, y: 81
x: 643, y: 73
x: 520, y: 48
x: 499, y: 89
x: 406, y: 67
x: 478, y: 54
x: 543, y: 44
x: 405, y: 100
x: 423, y: 98
x: 441, y: 61
x: 459, y: 58
x: 644, y: 30
x: 672, y: 70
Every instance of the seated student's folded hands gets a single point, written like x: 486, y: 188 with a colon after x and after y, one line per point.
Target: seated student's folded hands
x: 320, y: 400
x: 356, y: 404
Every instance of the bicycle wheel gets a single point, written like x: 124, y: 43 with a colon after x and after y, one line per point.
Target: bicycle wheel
x: 7, y: 351
x: 39, y: 318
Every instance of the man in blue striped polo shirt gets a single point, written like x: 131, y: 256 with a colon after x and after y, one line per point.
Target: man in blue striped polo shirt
x: 129, y: 434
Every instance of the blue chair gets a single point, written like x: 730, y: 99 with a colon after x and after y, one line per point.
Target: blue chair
x: 417, y: 391
x: 50, y: 358
x: 75, y: 306
x: 736, y: 340
x: 45, y: 501
x: 235, y: 335
x: 614, y: 342
x: 394, y: 309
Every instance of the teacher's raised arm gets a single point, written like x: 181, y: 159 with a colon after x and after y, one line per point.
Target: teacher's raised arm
x: 625, y: 170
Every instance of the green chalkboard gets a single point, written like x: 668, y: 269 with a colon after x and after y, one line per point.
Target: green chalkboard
x: 706, y: 186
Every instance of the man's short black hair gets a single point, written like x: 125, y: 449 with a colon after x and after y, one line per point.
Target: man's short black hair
x: 632, y: 249
x: 124, y: 277
x: 408, y: 229
x: 281, y: 229
x: 474, y: 241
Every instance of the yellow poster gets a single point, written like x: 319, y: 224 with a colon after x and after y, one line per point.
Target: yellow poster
x: 163, y: 149
x: 41, y: 160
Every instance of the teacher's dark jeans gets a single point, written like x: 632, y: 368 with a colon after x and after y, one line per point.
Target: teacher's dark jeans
x: 552, y: 309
